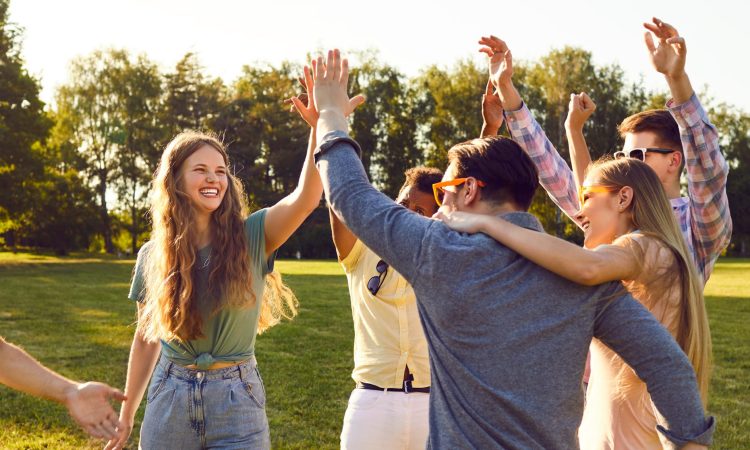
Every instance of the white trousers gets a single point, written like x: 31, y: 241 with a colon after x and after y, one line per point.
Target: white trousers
x: 381, y: 420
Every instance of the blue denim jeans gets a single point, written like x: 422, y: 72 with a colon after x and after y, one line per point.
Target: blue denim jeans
x: 205, y: 409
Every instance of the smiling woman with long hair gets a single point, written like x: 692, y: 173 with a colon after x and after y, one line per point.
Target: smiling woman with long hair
x: 630, y: 235
x: 205, y: 288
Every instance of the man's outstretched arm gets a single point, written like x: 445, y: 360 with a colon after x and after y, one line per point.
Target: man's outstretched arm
x: 87, y: 403
x: 389, y: 229
x: 707, y: 170
x: 554, y: 174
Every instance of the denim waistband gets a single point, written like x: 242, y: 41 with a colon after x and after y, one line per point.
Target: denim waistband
x: 240, y: 370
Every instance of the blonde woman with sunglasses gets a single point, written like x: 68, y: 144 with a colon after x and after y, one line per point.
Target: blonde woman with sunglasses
x: 630, y: 235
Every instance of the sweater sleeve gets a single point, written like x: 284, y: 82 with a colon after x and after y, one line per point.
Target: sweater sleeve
x: 645, y: 345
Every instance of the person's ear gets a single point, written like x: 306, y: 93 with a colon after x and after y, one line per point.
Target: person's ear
x: 471, y: 193
x: 675, y: 161
x: 624, y: 198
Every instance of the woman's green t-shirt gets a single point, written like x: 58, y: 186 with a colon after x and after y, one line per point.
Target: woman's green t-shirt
x: 229, y: 334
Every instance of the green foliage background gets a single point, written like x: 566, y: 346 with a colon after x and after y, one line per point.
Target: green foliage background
x: 75, y: 175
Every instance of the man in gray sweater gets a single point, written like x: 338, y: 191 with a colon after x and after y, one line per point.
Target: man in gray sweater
x: 507, y: 338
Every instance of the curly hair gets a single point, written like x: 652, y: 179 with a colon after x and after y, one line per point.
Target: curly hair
x: 422, y: 178
x: 170, y: 304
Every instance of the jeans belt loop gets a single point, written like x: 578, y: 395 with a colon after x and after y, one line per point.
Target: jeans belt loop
x: 243, y: 372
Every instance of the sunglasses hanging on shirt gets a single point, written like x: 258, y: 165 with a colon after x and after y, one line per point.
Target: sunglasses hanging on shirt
x: 374, y: 283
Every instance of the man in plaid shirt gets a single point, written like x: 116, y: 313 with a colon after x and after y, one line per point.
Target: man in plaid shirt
x: 658, y: 137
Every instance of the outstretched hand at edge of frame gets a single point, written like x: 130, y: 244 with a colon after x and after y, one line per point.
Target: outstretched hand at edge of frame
x: 89, y: 405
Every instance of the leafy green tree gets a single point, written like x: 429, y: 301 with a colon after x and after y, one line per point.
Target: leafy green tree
x: 734, y: 132
x: 450, y: 101
x: 23, y: 126
x: 241, y: 131
x: 116, y: 114
x: 266, y: 142
x: 192, y: 100
x: 140, y: 141
x: 386, y: 124
x: 63, y: 213
x: 107, y: 112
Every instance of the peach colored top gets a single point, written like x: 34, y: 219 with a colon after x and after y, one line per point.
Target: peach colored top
x: 619, y: 413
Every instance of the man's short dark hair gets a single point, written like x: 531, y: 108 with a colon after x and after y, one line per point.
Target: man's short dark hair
x: 658, y: 121
x: 507, y: 171
x: 422, y: 178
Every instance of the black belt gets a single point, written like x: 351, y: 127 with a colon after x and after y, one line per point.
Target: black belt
x: 406, y: 388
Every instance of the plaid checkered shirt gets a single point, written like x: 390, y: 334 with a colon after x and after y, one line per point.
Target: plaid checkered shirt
x: 703, y: 215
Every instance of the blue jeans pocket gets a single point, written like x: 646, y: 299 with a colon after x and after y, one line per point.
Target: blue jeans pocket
x: 158, y: 382
x: 253, y: 386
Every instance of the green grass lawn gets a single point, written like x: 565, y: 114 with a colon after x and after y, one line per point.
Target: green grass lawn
x: 73, y: 315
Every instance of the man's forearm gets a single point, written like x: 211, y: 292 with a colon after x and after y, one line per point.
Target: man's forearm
x: 707, y: 172
x: 20, y: 371
x: 680, y: 88
x: 329, y: 121
x: 509, y: 96
x: 388, y: 229
x: 554, y: 174
x: 488, y: 130
x: 646, y: 346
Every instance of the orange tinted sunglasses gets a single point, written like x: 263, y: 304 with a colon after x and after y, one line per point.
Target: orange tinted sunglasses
x: 583, y: 190
x: 439, y: 191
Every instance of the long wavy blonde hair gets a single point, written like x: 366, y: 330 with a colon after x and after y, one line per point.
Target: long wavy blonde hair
x: 170, y: 309
x: 652, y: 215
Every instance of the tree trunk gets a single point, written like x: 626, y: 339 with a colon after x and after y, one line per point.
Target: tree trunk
x: 10, y: 240
x: 104, y: 213
x: 134, y: 223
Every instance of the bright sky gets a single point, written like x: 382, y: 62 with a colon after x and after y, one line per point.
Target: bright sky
x: 410, y: 34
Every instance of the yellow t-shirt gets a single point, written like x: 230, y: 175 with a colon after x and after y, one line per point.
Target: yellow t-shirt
x: 388, y: 335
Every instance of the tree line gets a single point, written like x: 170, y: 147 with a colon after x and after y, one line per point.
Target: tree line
x: 75, y: 175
